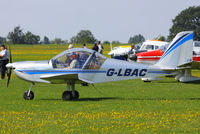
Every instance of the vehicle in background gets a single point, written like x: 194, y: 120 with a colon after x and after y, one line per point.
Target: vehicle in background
x: 152, y: 57
x: 151, y: 45
x: 196, y: 52
x: 196, y: 47
x: 121, y: 52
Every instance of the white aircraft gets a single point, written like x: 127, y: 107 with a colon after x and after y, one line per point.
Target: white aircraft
x: 79, y: 65
x: 148, y: 45
x: 197, y: 47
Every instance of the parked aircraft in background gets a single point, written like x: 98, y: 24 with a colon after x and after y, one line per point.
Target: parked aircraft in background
x: 80, y: 65
x: 120, y: 50
x: 196, y: 48
x: 148, y: 45
x: 152, y: 57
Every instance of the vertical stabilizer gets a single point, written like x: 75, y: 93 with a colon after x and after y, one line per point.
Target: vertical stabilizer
x: 179, y: 52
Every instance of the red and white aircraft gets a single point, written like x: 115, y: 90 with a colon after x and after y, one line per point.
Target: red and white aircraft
x: 152, y: 57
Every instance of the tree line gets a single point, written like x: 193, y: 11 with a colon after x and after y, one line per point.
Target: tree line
x: 186, y: 20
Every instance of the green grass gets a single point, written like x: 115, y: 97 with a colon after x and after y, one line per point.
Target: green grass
x: 117, y: 107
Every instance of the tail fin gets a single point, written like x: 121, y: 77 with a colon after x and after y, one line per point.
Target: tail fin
x: 179, y: 52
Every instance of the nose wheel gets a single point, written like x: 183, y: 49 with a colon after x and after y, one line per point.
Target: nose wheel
x: 70, y: 95
x: 28, y: 94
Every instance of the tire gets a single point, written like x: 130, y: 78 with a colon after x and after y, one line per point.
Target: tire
x: 30, y: 97
x: 67, y: 95
x: 76, y: 96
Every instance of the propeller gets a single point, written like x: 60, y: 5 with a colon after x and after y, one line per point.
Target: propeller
x: 10, y: 68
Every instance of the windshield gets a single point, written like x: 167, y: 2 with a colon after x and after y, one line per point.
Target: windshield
x: 78, y: 60
x: 138, y: 46
x: 197, y: 44
x: 147, y: 47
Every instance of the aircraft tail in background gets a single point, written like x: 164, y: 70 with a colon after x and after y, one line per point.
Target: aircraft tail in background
x: 179, y: 52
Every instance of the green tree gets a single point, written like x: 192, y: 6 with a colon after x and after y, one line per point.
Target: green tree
x: 84, y: 36
x: 16, y: 36
x: 30, y: 38
x: 115, y: 42
x: 161, y: 38
x: 58, y: 41
x: 136, y: 39
x: 46, y: 40
x: 187, y: 20
x: 106, y: 42
x: 2, y: 40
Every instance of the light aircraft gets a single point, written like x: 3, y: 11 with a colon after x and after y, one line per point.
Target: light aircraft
x: 148, y: 45
x: 151, y: 57
x: 92, y: 67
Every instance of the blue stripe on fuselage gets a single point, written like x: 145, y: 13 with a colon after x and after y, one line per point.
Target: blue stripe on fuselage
x: 32, y: 72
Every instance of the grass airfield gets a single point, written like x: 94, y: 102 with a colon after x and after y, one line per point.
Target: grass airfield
x: 117, y: 107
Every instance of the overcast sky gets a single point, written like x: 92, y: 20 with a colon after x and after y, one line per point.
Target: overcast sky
x: 106, y: 19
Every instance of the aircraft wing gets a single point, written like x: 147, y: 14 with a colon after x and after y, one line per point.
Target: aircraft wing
x: 60, y: 78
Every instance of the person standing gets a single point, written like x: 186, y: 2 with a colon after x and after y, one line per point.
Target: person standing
x: 100, y: 50
x: 95, y: 47
x: 3, y: 60
x: 84, y: 45
x: 132, y: 54
x: 70, y: 46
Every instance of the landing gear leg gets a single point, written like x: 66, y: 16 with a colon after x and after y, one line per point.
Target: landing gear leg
x: 75, y: 93
x: 71, y: 93
x: 28, y: 94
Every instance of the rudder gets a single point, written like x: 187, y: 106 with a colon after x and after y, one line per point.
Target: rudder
x: 179, y: 52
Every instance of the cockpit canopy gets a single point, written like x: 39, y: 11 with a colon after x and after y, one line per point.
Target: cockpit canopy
x: 78, y: 58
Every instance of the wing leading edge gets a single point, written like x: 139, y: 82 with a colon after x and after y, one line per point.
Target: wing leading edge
x: 61, y: 78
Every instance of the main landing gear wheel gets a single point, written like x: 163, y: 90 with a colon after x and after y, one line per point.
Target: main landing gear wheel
x: 67, y: 95
x: 28, y: 95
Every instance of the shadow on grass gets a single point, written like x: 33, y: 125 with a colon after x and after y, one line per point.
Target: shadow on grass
x: 98, y: 99
x: 160, y: 99
x: 194, y: 82
x: 118, y: 98
x: 167, y: 82
x: 83, y: 99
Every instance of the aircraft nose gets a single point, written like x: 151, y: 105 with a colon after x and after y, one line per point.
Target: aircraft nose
x: 9, y: 65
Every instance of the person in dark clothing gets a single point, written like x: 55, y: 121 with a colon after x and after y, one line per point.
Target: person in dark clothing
x: 3, y: 60
x: 95, y: 47
x: 84, y: 45
x: 132, y: 54
x: 100, y: 47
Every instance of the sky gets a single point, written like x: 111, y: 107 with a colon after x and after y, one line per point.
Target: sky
x: 106, y: 19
